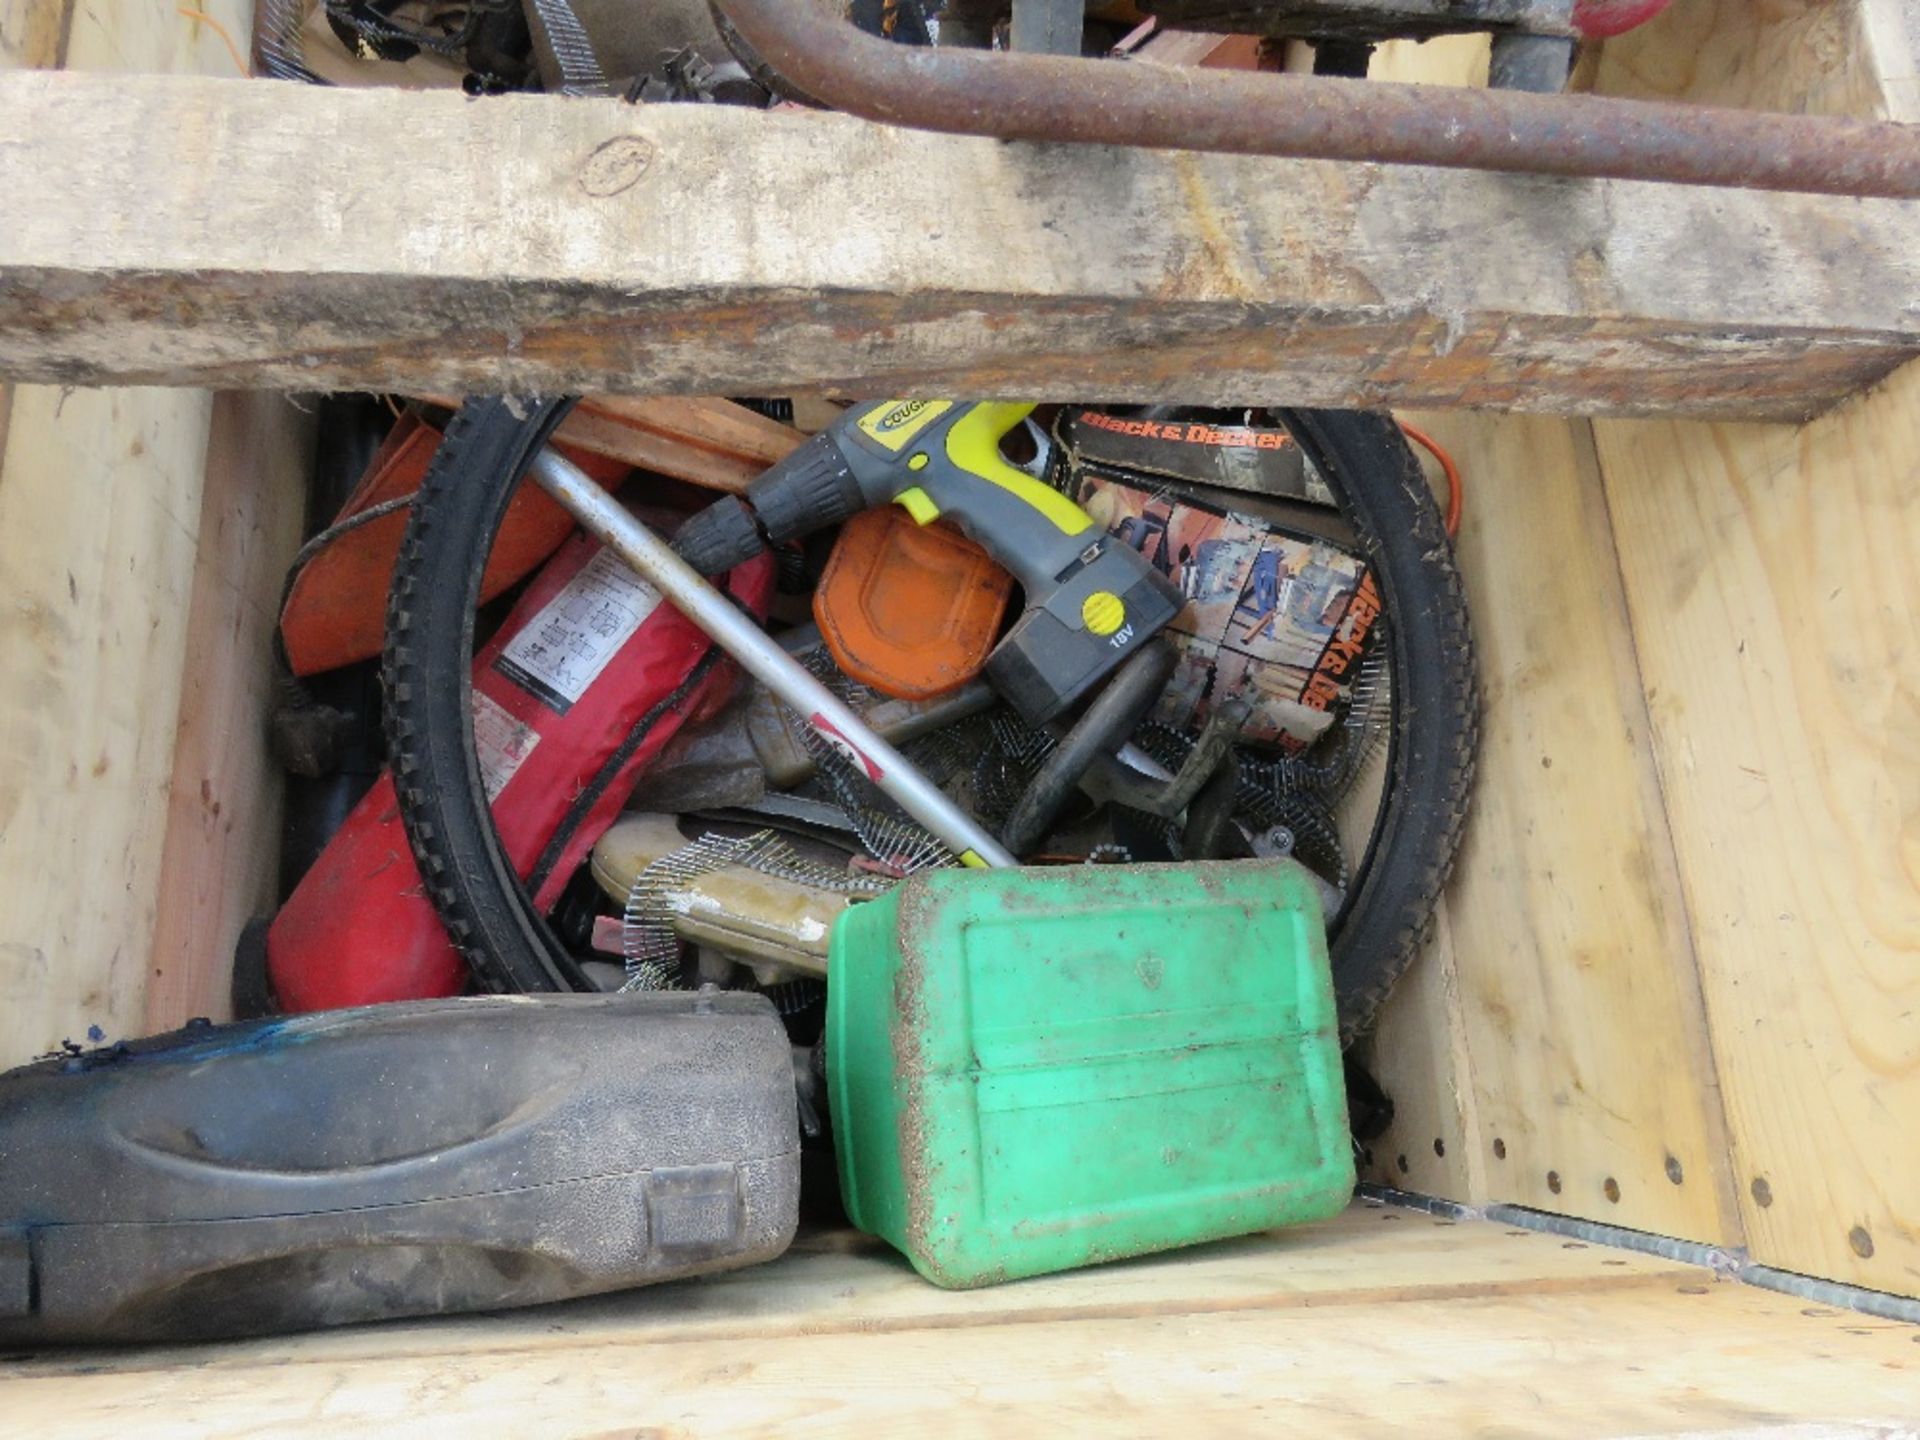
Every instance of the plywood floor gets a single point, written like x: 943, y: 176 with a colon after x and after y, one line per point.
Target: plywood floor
x: 1383, y: 1320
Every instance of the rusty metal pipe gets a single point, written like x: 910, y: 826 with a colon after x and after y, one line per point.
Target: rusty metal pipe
x: 1104, y: 102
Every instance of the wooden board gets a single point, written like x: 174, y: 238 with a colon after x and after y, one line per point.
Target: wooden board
x: 1774, y: 577
x: 841, y: 1281
x: 33, y: 33
x: 716, y: 443
x: 590, y: 245
x: 220, y: 864
x: 1515, y: 1051
x: 1775, y: 584
x: 1569, y: 931
x: 1418, y: 1053
x: 1811, y: 56
x: 99, y: 532
x: 99, y: 513
x: 1419, y: 1327
x: 1892, y: 33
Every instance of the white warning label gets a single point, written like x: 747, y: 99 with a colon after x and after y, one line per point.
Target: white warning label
x: 566, y: 646
x: 502, y: 742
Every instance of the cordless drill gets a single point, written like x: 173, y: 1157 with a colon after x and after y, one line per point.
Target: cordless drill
x: 1092, y: 600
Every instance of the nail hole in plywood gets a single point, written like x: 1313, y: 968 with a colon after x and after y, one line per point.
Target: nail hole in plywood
x: 1401, y: 1162
x: 1440, y: 1147
x: 1553, y: 1181
x: 1611, y: 1190
x: 1499, y: 1149
x: 1762, y: 1192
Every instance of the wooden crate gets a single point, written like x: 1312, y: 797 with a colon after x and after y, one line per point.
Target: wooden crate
x: 1673, y: 988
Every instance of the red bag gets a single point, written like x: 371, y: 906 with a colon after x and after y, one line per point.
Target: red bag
x: 589, y: 649
x: 1598, y: 19
x: 336, y: 609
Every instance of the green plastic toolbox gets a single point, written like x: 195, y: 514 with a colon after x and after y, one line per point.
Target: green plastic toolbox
x: 1040, y: 1068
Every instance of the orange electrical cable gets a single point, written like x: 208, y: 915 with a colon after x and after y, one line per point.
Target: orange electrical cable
x: 1456, y: 496
x: 239, y: 61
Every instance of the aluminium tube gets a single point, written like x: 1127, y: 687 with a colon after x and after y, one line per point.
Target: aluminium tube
x: 690, y: 593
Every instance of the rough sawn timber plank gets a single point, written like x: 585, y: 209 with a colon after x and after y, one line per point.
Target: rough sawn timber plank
x: 190, y: 231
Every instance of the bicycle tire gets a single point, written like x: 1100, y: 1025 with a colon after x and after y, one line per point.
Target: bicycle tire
x: 1431, y: 744
x: 1434, y: 726
x: 426, y: 672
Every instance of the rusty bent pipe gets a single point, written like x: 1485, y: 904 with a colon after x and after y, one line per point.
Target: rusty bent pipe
x: 1103, y: 102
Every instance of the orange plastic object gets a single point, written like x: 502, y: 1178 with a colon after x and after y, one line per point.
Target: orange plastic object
x: 909, y: 609
x: 336, y: 609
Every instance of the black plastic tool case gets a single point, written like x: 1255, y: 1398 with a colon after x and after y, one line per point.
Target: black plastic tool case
x: 396, y: 1160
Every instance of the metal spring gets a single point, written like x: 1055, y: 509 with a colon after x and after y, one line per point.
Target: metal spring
x: 793, y: 997
x: 1316, y: 839
x: 1007, y: 761
x: 648, y: 943
x: 282, y: 54
x: 887, y: 836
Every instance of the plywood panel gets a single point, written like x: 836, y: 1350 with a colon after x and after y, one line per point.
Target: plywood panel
x: 1568, y: 929
x: 1775, y: 583
x: 1774, y: 579
x: 1806, y: 56
x: 99, y: 513
x: 1516, y: 1050
x: 841, y: 1344
x: 1893, y: 39
x: 99, y: 529
x: 220, y: 862
x: 1418, y: 1053
x: 844, y: 1282
x: 33, y: 33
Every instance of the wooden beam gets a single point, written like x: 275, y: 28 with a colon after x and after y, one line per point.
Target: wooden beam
x: 184, y: 231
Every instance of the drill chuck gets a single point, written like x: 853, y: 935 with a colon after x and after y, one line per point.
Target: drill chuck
x: 811, y: 489
x: 719, y: 537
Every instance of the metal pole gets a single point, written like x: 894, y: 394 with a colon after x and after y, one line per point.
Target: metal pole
x: 690, y: 593
x: 1055, y: 98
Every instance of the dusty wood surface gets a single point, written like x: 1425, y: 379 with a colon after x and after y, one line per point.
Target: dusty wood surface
x: 1774, y: 579
x: 839, y: 1280
x: 1367, y: 1325
x: 1768, y: 574
x: 1775, y: 583
x: 589, y: 245
x: 1516, y: 1051
x: 100, y: 516
x: 220, y: 865
x: 1568, y: 926
x: 1418, y: 1054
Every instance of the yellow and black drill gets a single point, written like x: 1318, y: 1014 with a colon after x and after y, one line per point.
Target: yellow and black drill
x: 1091, y: 600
